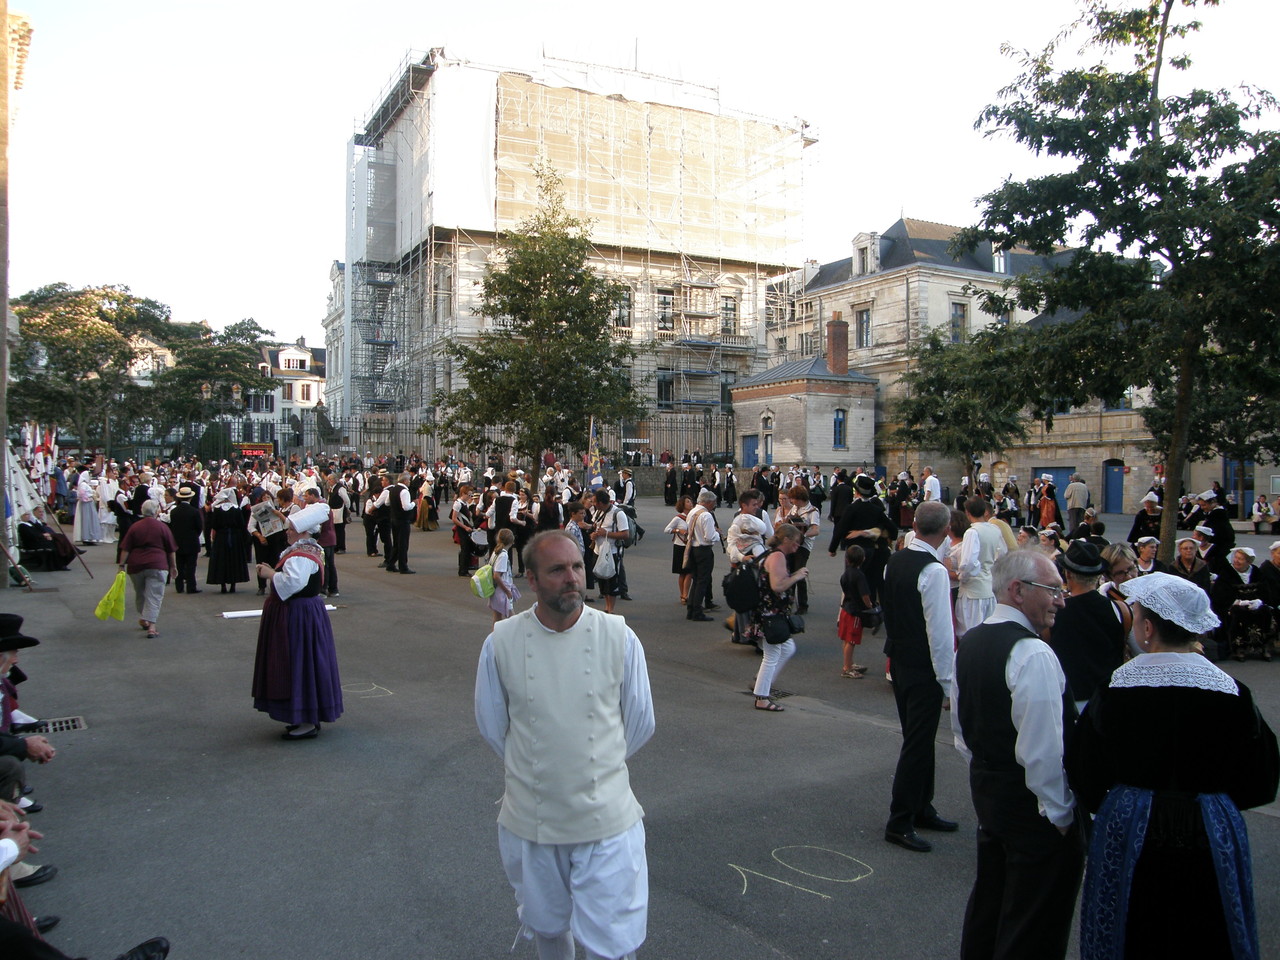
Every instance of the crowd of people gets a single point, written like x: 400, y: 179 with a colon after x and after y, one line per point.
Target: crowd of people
x: 1025, y: 622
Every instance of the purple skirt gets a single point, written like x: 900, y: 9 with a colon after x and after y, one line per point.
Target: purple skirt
x: 295, y: 673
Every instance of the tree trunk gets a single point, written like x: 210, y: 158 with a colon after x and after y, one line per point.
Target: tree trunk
x: 1176, y: 461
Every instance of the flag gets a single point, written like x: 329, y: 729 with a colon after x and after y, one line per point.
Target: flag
x: 595, y: 467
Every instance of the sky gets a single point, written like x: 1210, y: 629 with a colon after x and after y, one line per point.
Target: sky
x: 195, y: 151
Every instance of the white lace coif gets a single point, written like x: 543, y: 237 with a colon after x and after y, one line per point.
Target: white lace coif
x: 1177, y: 600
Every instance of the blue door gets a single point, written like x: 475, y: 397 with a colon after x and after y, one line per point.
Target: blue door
x: 750, y: 450
x: 1113, y: 488
x: 1061, y: 477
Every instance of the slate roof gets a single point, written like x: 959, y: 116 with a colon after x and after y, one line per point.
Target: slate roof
x: 910, y: 242
x: 811, y: 368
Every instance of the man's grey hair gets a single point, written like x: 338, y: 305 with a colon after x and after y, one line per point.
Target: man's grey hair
x: 707, y: 496
x: 1017, y: 565
x: 932, y: 517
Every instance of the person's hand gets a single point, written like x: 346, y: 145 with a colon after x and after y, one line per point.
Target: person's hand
x: 802, y: 573
x: 39, y: 749
x: 21, y: 834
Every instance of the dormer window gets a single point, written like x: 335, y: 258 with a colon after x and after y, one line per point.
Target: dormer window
x: 998, y: 262
x: 295, y: 363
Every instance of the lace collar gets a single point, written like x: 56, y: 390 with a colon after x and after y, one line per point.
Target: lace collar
x: 1173, y: 670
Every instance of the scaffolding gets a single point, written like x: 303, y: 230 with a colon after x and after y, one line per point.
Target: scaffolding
x: 695, y: 209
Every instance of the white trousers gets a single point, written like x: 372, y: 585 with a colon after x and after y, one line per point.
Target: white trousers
x: 775, y: 655
x: 598, y: 890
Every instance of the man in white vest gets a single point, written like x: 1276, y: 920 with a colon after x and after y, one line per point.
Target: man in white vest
x: 570, y: 831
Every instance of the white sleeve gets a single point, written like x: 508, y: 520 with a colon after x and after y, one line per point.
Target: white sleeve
x: 935, y: 600
x: 1036, y: 683
x: 970, y: 556
x: 491, y: 701
x: 637, y: 699
x: 8, y: 853
x: 292, y: 577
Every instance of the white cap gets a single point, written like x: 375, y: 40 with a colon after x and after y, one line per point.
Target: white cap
x: 1150, y: 497
x: 1245, y: 550
x: 1047, y: 476
x: 1173, y: 598
x: 1207, y: 531
x: 1207, y: 495
x: 1143, y: 541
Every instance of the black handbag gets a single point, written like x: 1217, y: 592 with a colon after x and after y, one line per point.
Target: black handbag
x: 776, y: 628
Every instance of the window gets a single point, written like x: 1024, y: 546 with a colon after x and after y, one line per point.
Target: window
x: 838, y: 437
x: 999, y: 264
x: 666, y: 389
x: 959, y: 322
x: 304, y: 392
x: 286, y: 391
x: 727, y: 379
x: 864, y: 261
x: 666, y: 298
x: 766, y: 422
x: 246, y: 431
x: 807, y: 342
x: 1125, y: 402
x: 1002, y: 319
x: 295, y: 363
x: 266, y: 430
x: 729, y: 315
x: 768, y: 449
x: 622, y: 315
x: 262, y: 403
x: 782, y: 344
x: 862, y: 328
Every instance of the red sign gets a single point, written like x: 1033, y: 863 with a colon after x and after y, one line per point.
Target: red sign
x: 249, y: 451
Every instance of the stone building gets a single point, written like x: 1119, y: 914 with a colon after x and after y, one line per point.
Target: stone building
x: 897, y: 287
x: 695, y: 208
x: 809, y: 411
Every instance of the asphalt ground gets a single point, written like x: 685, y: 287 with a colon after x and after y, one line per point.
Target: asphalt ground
x: 178, y: 810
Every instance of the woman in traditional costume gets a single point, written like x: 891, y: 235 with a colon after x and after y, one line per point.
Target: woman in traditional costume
x: 1168, y: 792
x: 295, y: 674
x: 1147, y: 521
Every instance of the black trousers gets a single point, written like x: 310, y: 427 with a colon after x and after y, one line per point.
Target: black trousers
x: 794, y: 562
x: 465, y: 553
x: 1024, y: 894
x: 919, y: 698
x: 398, y: 552
x: 340, y: 531
x: 370, y: 535
x: 186, y: 562
x: 703, y: 561
x: 19, y: 943
x: 330, y: 570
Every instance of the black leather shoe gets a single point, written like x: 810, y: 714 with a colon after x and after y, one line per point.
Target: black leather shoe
x: 45, y: 873
x: 700, y: 617
x: 32, y: 808
x: 910, y: 840
x: 408, y: 571
x: 624, y: 596
x: 25, y: 728
x: 712, y: 606
x: 195, y: 591
x: 936, y: 822
x: 157, y: 948
x: 45, y: 924
x: 309, y: 735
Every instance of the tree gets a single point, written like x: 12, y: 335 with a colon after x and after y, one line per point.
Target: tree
x: 952, y: 403
x: 1238, y: 419
x: 1172, y: 203
x: 71, y: 364
x: 223, y: 360
x: 553, y: 362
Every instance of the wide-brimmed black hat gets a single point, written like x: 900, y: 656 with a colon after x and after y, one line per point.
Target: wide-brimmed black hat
x: 1083, y: 557
x: 864, y: 484
x: 11, y: 637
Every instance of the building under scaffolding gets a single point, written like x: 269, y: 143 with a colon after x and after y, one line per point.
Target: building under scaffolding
x: 695, y: 209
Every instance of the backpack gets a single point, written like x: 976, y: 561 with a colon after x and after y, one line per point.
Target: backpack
x: 741, y: 586
x: 630, y: 539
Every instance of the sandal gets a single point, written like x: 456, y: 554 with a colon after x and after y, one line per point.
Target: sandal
x: 144, y: 625
x: 152, y: 633
x: 769, y: 706
x: 851, y: 674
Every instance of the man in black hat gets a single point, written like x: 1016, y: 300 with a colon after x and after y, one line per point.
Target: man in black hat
x: 35, y: 748
x: 866, y: 523
x: 186, y: 523
x: 1089, y: 632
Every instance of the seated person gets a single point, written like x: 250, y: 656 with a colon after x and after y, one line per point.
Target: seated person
x: 41, y: 543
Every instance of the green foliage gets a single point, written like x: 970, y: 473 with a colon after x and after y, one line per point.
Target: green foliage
x: 553, y: 362
x: 955, y: 401
x: 71, y: 363
x: 1172, y: 202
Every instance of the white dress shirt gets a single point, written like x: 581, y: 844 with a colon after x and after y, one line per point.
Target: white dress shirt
x: 1036, y: 684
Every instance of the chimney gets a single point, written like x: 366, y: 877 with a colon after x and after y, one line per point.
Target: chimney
x: 837, y: 344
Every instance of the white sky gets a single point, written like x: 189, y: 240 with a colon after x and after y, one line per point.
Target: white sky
x: 194, y: 150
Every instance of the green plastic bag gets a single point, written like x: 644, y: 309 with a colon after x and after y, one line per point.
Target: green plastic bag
x: 482, y: 582
x: 112, y: 605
